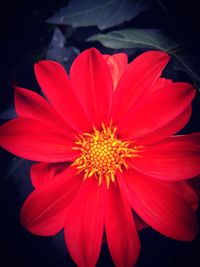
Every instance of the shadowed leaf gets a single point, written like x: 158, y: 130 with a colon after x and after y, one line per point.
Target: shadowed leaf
x: 8, y: 114
x: 101, y: 13
x: 58, y: 52
x: 185, y: 60
x: 17, y: 171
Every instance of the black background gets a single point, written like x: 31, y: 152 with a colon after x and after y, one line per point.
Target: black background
x: 24, y: 33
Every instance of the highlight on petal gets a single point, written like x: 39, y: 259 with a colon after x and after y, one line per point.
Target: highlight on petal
x: 159, y: 205
x: 44, y: 211
x: 158, y: 110
x: 33, y: 140
x: 135, y: 83
x: 55, y: 84
x: 91, y: 78
x: 29, y: 104
x: 43, y: 173
x: 175, y: 158
x: 122, y: 237
x: 117, y: 64
x: 85, y: 224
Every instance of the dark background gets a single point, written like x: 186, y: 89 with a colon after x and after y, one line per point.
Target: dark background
x: 24, y: 37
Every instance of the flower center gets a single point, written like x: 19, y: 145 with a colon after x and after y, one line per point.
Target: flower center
x: 102, y: 154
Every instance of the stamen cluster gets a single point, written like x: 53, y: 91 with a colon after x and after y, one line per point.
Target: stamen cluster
x: 102, y: 154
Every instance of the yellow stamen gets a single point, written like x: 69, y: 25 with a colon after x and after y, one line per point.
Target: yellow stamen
x: 102, y: 154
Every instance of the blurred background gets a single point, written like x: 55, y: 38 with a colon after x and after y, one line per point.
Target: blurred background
x: 34, y: 30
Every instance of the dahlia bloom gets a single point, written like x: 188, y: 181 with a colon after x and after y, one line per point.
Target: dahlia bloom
x: 107, y: 155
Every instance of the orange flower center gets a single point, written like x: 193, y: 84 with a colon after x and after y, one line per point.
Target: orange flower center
x: 102, y: 154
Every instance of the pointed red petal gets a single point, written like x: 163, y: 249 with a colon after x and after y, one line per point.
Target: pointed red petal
x: 91, y: 78
x: 167, y: 130
x: 84, y: 225
x: 159, y: 83
x: 161, y: 108
x: 55, y: 84
x: 123, y: 241
x: 29, y: 104
x: 33, y: 140
x: 135, y: 83
x: 44, y: 211
x: 159, y: 205
x: 117, y: 64
x: 43, y: 173
x: 175, y: 158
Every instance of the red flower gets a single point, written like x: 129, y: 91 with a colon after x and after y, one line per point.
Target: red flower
x: 115, y: 123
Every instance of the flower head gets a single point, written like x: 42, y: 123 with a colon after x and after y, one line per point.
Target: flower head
x: 108, y: 154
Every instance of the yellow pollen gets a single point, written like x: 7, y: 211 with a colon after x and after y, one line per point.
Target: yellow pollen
x: 102, y: 154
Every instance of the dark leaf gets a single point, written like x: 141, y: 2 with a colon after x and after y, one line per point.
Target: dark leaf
x: 8, y: 114
x: 18, y: 171
x: 185, y: 60
x: 101, y: 13
x: 135, y: 38
x: 58, y: 52
x: 163, y: 7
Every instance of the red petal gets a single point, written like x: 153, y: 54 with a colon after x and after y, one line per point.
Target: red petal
x: 157, y: 203
x: 30, y: 139
x: 43, y: 173
x: 84, y: 225
x: 29, y: 104
x: 44, y: 211
x: 123, y: 241
x: 135, y: 83
x: 167, y: 130
x: 92, y: 79
x: 162, y: 107
x: 175, y: 158
x: 55, y: 84
x: 117, y: 64
x: 159, y: 83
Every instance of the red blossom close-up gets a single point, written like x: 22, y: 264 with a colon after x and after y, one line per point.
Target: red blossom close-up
x: 109, y: 161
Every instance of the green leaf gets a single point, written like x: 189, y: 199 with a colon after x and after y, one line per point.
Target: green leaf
x: 101, y: 13
x: 132, y: 38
